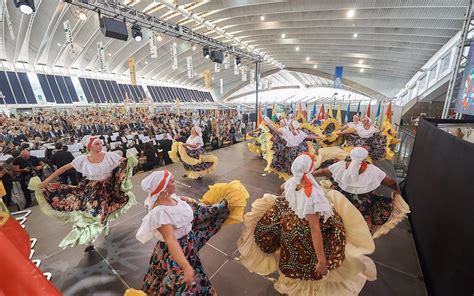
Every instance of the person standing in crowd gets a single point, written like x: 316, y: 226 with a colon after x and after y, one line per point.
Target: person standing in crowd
x: 182, y: 227
x: 151, y: 157
x: 232, y: 134
x: 27, y: 166
x: 101, y: 197
x: 59, y: 159
x: 7, y: 180
x: 165, y: 145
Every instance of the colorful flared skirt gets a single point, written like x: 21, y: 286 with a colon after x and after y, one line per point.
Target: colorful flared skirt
x: 197, y: 163
x: 376, y: 145
x: 88, y: 206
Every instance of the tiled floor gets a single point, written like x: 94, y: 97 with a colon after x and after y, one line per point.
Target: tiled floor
x: 121, y: 261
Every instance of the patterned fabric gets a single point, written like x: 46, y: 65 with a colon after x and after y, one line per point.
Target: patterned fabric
x: 281, y: 228
x: 375, y: 208
x: 165, y: 277
x: 284, y: 156
x: 97, y: 198
x: 195, y: 154
x: 377, y: 144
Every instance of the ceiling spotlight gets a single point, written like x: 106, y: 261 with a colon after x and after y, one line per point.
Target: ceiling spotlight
x: 315, y: 66
x: 237, y: 60
x: 146, y: 63
x: 283, y: 35
x: 350, y: 13
x: 59, y: 44
x: 81, y: 14
x: 307, y: 58
x: 137, y: 32
x: 206, y: 52
x: 212, y: 78
x: 297, y: 48
x: 361, y: 70
x: 262, y: 18
x: 159, y: 37
x: 193, y: 47
x: 361, y: 61
x: 26, y: 6
x: 110, y: 54
x: 355, y: 35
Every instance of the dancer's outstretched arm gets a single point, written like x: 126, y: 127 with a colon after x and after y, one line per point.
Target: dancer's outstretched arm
x: 317, y: 238
x: 323, y: 173
x: 54, y: 175
x: 177, y: 253
x: 313, y: 137
x: 392, y: 184
x: 270, y: 126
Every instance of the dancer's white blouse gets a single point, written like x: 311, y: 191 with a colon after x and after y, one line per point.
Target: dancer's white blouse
x: 353, y: 125
x: 366, y: 133
x: 179, y: 216
x: 97, y: 171
x: 293, y: 140
x: 366, y: 182
x: 195, y: 140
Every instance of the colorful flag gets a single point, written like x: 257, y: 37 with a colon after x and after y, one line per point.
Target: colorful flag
x: 299, y: 112
x: 259, y: 115
x: 388, y: 114
x: 377, y: 114
x: 348, y: 113
x: 358, y: 108
x: 321, y: 112
x: 313, y: 112
x: 339, y: 114
x: 367, y: 113
x: 274, y: 113
x: 330, y: 112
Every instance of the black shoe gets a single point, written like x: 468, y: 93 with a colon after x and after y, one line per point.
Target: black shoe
x: 89, y: 249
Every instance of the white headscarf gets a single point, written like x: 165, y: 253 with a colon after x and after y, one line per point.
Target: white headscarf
x: 198, y: 130
x: 349, y: 178
x: 311, y: 199
x: 154, y: 184
x: 87, y: 141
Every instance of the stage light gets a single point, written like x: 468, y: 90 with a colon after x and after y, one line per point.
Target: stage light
x: 26, y: 6
x: 137, y: 32
x: 237, y: 60
x: 206, y: 52
x: 81, y: 14
x: 159, y: 37
x: 355, y: 35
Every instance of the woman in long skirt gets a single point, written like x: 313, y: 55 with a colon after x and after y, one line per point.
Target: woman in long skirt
x: 316, y: 241
x: 182, y: 227
x: 101, y: 197
x: 196, y: 162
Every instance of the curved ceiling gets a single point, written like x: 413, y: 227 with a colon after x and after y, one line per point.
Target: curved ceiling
x: 394, y: 37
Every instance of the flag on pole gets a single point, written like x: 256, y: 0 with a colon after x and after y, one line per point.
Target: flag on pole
x: 291, y: 108
x: 305, y: 112
x: 339, y: 114
x: 321, y: 112
x: 377, y: 114
x: 274, y: 114
x: 367, y: 112
x: 348, y: 113
x: 330, y: 112
x: 358, y: 108
x: 259, y: 115
x: 313, y: 112
x: 299, y: 113
x: 388, y: 114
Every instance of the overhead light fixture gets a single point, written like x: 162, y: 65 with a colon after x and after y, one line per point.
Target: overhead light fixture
x: 206, y: 52
x: 297, y: 48
x: 81, y: 14
x: 283, y: 35
x: 159, y: 38
x: 262, y: 18
x: 307, y: 58
x: 212, y: 78
x: 237, y: 60
x: 315, y: 66
x: 59, y: 44
x: 355, y: 35
x: 350, y: 13
x: 26, y: 6
x: 110, y: 54
x: 193, y: 46
x: 137, y: 32
x: 361, y: 70
x: 361, y: 61
x: 146, y: 62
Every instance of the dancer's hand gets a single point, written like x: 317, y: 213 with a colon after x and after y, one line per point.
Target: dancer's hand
x: 188, y: 276
x: 43, y: 185
x: 322, y: 268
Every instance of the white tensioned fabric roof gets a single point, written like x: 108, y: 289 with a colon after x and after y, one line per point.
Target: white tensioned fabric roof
x: 394, y: 39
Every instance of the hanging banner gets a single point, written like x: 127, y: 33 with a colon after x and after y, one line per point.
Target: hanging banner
x: 68, y: 32
x: 207, y: 79
x: 226, y: 62
x: 222, y: 86
x: 189, y: 62
x: 236, y: 67
x: 244, y: 73
x: 338, y: 77
x: 174, y: 56
x: 252, y: 76
x: 217, y: 67
x: 100, y: 51
x: 133, y: 73
x: 153, y: 47
x: 465, y: 98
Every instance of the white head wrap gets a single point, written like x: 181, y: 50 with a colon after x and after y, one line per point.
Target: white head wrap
x: 349, y: 178
x: 198, y: 130
x: 311, y: 199
x: 154, y: 184
x: 368, y: 118
x: 87, y: 141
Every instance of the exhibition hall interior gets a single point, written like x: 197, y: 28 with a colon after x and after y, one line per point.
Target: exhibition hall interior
x: 236, y: 147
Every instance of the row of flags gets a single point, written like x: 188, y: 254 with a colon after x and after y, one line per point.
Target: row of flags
x: 322, y: 114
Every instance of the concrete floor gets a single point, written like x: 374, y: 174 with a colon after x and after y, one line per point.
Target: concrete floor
x: 121, y: 261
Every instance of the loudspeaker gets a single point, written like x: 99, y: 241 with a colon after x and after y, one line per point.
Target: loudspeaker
x: 252, y: 117
x: 113, y: 28
x: 217, y: 57
x: 245, y: 118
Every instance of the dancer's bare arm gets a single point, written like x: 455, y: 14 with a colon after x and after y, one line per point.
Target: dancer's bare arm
x: 322, y: 173
x: 54, y: 175
x: 317, y: 238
